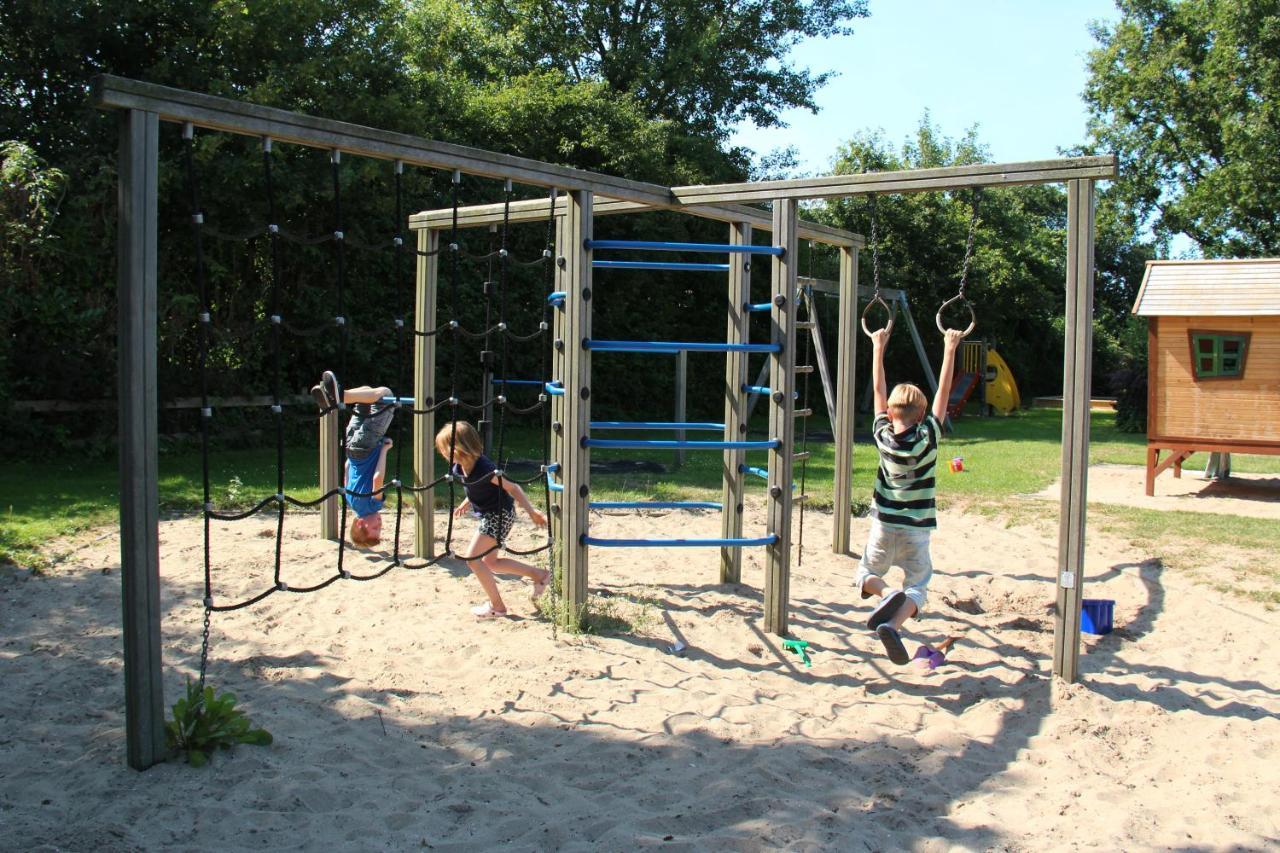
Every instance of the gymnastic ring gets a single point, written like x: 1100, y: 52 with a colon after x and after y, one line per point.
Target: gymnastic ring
x: 973, y: 318
x: 888, y: 327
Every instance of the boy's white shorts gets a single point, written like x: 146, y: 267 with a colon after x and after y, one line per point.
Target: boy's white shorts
x: 904, y: 547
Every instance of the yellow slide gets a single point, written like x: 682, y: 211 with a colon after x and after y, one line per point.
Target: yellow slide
x: 1002, y: 390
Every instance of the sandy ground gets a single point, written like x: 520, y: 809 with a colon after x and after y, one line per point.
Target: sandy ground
x: 1254, y: 495
x: 401, y: 723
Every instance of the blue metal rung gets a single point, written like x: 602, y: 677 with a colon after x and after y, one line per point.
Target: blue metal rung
x: 656, y: 505
x: 676, y: 346
x: 689, y: 425
x: 759, y: 306
x: 714, y: 248
x: 659, y: 265
x: 555, y: 389
x: 762, y: 473
x: 557, y: 297
x: 555, y: 487
x: 765, y: 390
x: 400, y: 401
x: 678, y: 543
x: 662, y: 444
x: 497, y: 381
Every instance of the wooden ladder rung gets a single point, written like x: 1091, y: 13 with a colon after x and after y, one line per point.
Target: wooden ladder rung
x: 799, y: 499
x: 803, y: 413
x: 800, y: 457
x: 804, y: 368
x: 806, y: 325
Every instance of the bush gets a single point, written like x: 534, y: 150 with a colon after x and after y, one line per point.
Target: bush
x: 1129, y: 382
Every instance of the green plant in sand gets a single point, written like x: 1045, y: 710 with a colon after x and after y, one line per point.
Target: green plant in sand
x: 203, y: 722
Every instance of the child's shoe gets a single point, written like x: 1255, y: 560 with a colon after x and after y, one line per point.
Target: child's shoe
x: 885, y: 610
x: 893, y: 644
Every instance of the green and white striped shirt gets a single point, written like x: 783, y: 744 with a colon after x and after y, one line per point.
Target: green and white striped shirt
x: 905, y: 485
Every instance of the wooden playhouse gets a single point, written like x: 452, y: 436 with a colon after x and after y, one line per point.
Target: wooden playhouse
x: 1214, y: 359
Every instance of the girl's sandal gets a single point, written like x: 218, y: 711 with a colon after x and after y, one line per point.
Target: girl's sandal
x: 486, y: 611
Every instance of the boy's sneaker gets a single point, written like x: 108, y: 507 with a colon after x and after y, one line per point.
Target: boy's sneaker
x: 893, y: 645
x: 321, y: 396
x: 888, y: 606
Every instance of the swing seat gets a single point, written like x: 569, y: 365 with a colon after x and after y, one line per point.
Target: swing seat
x: 961, y: 391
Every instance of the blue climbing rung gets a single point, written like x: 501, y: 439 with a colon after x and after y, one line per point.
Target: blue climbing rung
x: 659, y: 265
x: 663, y: 444
x: 399, y: 401
x: 555, y: 389
x: 714, y: 248
x: 554, y: 486
x: 557, y: 297
x: 689, y: 425
x: 678, y: 543
x: 676, y: 346
x: 762, y: 473
x: 759, y: 306
x: 765, y: 390
x: 497, y: 381
x: 656, y: 505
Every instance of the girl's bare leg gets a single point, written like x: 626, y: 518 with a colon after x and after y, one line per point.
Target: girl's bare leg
x: 479, y: 544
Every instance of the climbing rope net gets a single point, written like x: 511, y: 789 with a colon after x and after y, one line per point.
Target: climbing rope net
x: 407, y: 336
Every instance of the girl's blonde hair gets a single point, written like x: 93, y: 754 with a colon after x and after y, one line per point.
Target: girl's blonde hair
x: 907, y: 403
x: 464, y: 438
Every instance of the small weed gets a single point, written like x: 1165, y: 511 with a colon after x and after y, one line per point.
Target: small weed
x: 203, y: 722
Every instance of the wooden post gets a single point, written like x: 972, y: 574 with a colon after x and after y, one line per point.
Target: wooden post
x: 820, y: 354
x: 139, y: 163
x: 330, y: 477
x: 682, y: 385
x: 735, y: 409
x: 1078, y: 364
x: 577, y: 401
x: 846, y: 399
x: 424, y: 391
x: 782, y: 383
x: 557, y: 454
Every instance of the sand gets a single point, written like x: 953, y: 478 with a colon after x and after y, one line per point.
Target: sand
x: 1252, y: 495
x: 400, y: 722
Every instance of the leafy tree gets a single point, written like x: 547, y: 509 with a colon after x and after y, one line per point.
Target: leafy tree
x: 1186, y: 92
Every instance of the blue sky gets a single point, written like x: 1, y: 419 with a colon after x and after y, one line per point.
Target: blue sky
x: 1015, y: 68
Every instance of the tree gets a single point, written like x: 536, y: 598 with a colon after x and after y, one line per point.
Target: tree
x: 1187, y: 93
x: 705, y: 64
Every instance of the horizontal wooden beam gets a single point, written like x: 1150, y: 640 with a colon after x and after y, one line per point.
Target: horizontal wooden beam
x: 536, y: 209
x: 177, y: 105
x: 910, y: 181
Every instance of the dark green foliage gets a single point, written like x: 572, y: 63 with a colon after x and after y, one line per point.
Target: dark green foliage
x: 1129, y: 379
x: 1185, y: 92
x: 203, y: 722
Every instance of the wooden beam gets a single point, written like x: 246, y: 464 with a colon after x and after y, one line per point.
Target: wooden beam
x: 534, y: 210
x: 139, y: 163
x: 560, y: 532
x: 681, y: 400
x: 577, y: 403
x: 331, y: 471
x: 908, y: 181
x: 846, y: 400
x: 176, y: 105
x: 426, y: 290
x: 782, y: 383
x: 735, y: 376
x: 1077, y: 368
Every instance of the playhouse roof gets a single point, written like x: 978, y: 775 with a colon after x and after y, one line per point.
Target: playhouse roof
x: 1210, y: 288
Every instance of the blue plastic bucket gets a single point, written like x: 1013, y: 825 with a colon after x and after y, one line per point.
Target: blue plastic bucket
x: 1096, y: 615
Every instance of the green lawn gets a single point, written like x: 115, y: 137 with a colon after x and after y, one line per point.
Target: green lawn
x: 1003, y: 458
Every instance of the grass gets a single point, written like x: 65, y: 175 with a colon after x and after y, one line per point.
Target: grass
x: 1003, y: 457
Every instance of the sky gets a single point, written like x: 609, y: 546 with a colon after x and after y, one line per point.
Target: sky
x: 1015, y: 68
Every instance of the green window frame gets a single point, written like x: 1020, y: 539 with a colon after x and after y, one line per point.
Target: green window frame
x: 1218, y: 355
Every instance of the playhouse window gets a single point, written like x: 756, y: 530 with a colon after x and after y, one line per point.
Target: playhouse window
x: 1218, y: 356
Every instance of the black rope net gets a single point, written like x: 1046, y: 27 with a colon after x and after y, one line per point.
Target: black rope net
x: 407, y: 336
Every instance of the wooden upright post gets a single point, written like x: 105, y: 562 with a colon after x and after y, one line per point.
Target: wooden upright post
x: 576, y: 276
x: 556, y: 402
x: 330, y: 476
x: 782, y: 383
x: 735, y: 403
x: 139, y: 502
x: 846, y: 399
x: 682, y: 398
x: 424, y: 392
x: 1078, y: 364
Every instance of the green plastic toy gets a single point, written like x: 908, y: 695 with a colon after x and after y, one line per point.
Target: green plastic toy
x: 800, y: 647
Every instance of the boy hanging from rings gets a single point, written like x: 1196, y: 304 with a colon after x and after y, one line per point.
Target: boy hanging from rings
x: 903, y: 508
